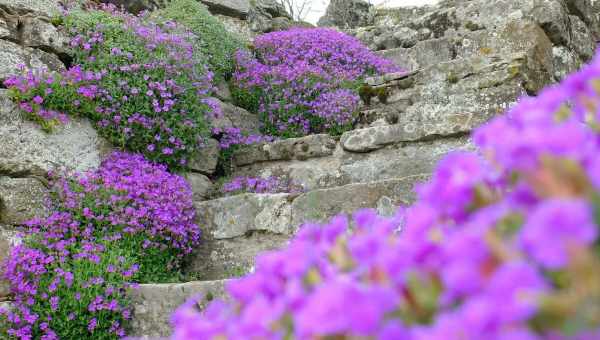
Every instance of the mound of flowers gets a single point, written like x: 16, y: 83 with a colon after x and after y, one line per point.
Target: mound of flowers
x: 141, y: 82
x: 129, y: 221
x: 501, y: 244
x: 305, y: 80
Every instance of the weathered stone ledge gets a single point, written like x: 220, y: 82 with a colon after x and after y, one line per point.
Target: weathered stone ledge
x: 312, y: 146
x: 153, y: 304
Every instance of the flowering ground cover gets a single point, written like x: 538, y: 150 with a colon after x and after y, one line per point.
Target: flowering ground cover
x: 141, y: 82
x: 129, y: 221
x: 500, y: 244
x: 304, y: 80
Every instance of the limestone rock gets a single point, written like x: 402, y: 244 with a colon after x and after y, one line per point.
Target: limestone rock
x: 205, y: 160
x: 12, y: 56
x: 347, y: 14
x: 153, y: 305
x: 582, y: 40
x: 341, y: 168
x: 565, y: 62
x: 226, y: 258
x: 235, y: 216
x: 321, y: 205
x: 201, y: 186
x: 34, y: 31
x: 47, y: 8
x: 311, y: 146
x: 235, y: 117
x: 22, y: 199
x: 422, y: 54
x: 27, y: 150
x: 232, y: 8
x: 377, y: 137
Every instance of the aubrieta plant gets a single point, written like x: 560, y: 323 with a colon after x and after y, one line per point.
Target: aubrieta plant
x: 141, y: 82
x: 305, y: 80
x: 129, y: 221
x: 215, y: 43
x: 500, y: 244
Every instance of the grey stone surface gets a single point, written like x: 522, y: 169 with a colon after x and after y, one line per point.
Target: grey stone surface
x: 232, y: 8
x: 377, y: 137
x: 225, y: 258
x: 321, y: 205
x: 22, y: 199
x: 311, y: 146
x: 422, y: 54
x: 48, y: 8
x: 32, y: 30
x: 392, y: 161
x: 347, y: 14
x: 12, y: 56
x: 202, y: 187
x: 235, y: 216
x: 153, y: 305
x: 206, y: 159
x: 27, y: 150
x: 235, y: 117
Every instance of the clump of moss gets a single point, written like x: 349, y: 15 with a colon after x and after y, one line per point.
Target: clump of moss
x: 367, y: 92
x: 452, y: 78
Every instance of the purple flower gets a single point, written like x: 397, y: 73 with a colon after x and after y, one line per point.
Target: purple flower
x: 557, y: 227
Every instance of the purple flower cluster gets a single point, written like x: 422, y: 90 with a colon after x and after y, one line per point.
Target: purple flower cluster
x: 119, y: 224
x: 501, y: 244
x: 139, y: 81
x: 231, y: 137
x: 260, y: 185
x: 306, y: 79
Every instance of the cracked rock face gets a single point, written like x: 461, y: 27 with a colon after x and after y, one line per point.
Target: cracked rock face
x: 27, y: 150
x: 22, y: 199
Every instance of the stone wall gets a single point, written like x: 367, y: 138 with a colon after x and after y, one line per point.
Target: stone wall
x: 572, y: 26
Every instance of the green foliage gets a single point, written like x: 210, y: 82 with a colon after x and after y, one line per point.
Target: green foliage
x: 142, y: 84
x: 248, y: 99
x: 214, y: 41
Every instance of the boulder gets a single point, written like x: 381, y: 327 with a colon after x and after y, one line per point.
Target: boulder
x: 347, y: 14
x: 22, y: 199
x: 153, y: 305
x: 27, y: 150
x: 13, y: 57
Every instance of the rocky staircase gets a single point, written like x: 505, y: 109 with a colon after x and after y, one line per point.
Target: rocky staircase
x: 467, y: 60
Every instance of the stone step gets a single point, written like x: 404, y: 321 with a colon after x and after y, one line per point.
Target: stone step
x: 153, y: 305
x: 363, y: 155
x: 237, y: 228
